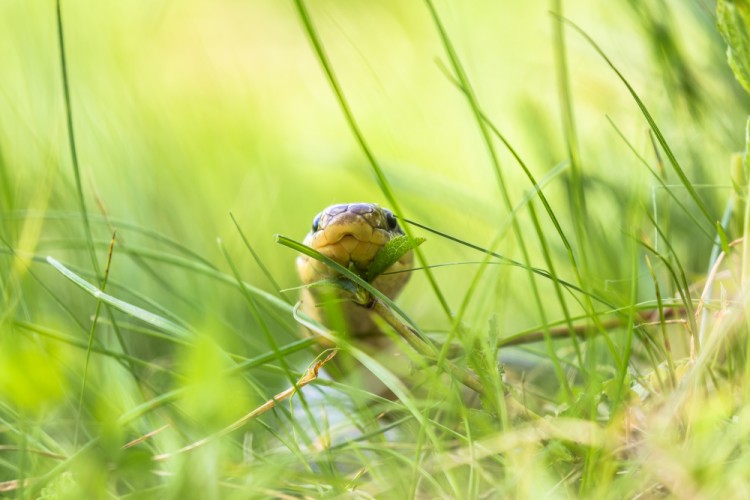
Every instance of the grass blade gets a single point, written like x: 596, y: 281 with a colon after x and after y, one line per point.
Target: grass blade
x: 380, y: 177
x: 652, y: 123
x: 135, y: 311
x: 72, y: 141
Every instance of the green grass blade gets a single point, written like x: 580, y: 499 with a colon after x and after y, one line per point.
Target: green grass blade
x: 382, y: 181
x: 75, y: 342
x: 577, y: 197
x: 698, y: 224
x: 258, y: 261
x: 482, y: 124
x: 539, y: 271
x: 652, y: 123
x: 72, y: 140
x: 733, y: 19
x: 92, y: 332
x: 135, y: 311
x: 171, y: 396
x: 299, y: 247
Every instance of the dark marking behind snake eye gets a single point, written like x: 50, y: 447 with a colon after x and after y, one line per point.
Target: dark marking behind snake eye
x: 390, y: 219
x: 316, y: 222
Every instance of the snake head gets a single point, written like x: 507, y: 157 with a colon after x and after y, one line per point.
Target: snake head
x: 352, y: 234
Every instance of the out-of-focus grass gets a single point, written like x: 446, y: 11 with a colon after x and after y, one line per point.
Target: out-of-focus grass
x: 184, y: 112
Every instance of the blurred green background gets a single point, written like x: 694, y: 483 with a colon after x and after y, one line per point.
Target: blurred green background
x: 186, y: 111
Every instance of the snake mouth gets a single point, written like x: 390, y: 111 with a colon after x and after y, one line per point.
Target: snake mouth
x: 347, y: 242
x: 350, y: 250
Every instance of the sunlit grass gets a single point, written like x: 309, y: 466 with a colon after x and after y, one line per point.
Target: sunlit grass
x: 584, y: 217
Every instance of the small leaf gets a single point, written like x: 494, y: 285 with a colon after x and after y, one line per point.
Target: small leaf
x: 734, y: 25
x: 390, y: 253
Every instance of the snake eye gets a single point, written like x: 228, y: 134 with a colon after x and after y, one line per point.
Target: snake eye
x: 390, y: 219
x: 316, y: 222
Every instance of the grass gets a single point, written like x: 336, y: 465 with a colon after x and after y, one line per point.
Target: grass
x: 575, y: 324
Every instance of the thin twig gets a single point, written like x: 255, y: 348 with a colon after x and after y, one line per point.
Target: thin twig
x: 41, y: 453
x: 648, y: 318
x: 309, y: 376
x: 15, y: 484
x: 146, y: 436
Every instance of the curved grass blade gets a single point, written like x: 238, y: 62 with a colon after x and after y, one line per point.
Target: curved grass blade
x: 72, y: 141
x: 173, y: 395
x: 483, y: 123
x: 183, y: 263
x: 255, y: 311
x: 299, y: 247
x: 660, y: 180
x: 650, y: 119
x: 380, y: 177
x: 536, y: 270
x: 121, y: 224
x: 72, y: 341
x: 258, y: 260
x: 135, y: 311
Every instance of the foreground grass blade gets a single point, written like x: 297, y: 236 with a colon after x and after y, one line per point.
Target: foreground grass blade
x: 660, y: 180
x: 652, y: 123
x: 383, y: 183
x: 92, y: 332
x: 484, y: 125
x: 541, y: 272
x: 135, y: 311
x: 72, y: 141
x: 258, y: 261
x: 294, y: 245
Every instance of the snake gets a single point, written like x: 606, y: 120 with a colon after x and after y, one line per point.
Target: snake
x: 351, y: 234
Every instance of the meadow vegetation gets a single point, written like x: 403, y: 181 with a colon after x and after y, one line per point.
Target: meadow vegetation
x: 578, y: 171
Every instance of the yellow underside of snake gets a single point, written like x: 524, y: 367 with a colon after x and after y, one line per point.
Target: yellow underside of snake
x: 351, y: 234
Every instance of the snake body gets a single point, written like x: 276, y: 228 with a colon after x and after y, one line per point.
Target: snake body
x: 352, y: 234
